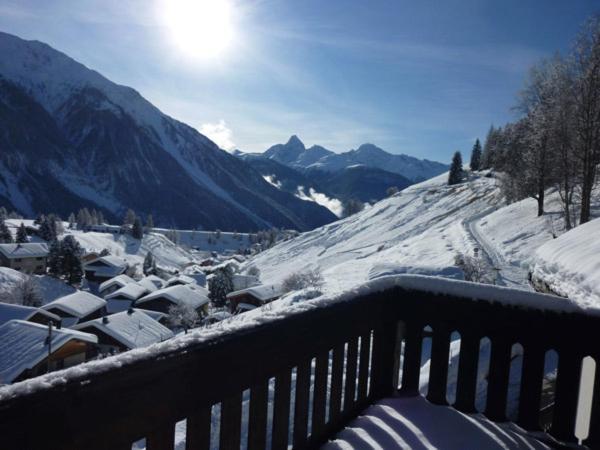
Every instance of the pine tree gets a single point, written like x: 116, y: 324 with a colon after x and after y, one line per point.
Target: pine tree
x: 137, y: 231
x: 72, y: 221
x: 71, y: 260
x: 100, y: 218
x: 456, y: 169
x: 22, y: 234
x: 129, y: 217
x: 149, y: 222
x: 47, y: 229
x: 149, y: 266
x: 55, y: 259
x: 5, y: 235
x: 220, y: 285
x: 476, y: 156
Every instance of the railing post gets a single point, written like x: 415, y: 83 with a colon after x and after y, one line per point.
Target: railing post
x: 386, y: 354
x: 499, y: 371
x: 411, y: 369
x: 438, y: 369
x: 565, y: 398
x: 531, y: 386
x: 466, y: 382
x: 198, y: 429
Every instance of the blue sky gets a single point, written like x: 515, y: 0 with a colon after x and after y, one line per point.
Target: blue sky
x: 420, y: 77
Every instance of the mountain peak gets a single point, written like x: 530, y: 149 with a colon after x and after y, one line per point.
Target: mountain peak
x: 294, y: 141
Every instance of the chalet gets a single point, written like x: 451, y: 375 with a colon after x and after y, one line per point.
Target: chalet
x: 196, y: 273
x: 28, y: 257
x: 156, y: 280
x: 78, y: 307
x: 147, y: 284
x: 163, y: 299
x: 180, y: 280
x: 28, y: 313
x: 31, y: 349
x: 253, y: 296
x: 125, y: 330
x: 123, y: 298
x: 105, y: 268
x: 113, y: 284
x: 244, y: 281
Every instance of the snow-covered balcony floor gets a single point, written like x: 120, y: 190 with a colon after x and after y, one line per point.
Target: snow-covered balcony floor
x: 414, y: 423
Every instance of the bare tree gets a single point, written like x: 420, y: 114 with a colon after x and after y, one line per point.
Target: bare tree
x: 183, y: 316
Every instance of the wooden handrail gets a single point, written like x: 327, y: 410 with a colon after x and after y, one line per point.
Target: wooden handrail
x: 350, y: 349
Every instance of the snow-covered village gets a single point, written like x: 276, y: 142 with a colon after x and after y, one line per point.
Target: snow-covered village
x: 252, y: 225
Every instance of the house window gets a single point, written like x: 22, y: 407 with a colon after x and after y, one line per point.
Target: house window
x: 38, y: 259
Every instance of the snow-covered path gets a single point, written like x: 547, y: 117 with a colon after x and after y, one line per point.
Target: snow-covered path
x: 508, y: 273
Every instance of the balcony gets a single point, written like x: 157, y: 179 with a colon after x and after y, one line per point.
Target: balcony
x: 299, y: 377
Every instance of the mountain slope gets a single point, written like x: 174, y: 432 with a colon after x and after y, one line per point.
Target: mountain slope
x: 92, y: 142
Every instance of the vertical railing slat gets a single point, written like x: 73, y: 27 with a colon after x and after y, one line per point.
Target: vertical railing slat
x: 301, y: 404
x: 438, y: 369
x: 593, y: 439
x: 530, y: 394
x: 351, y: 363
x: 337, y: 379
x: 281, y: 410
x: 565, y: 397
x: 197, y: 434
x: 320, y: 393
x: 411, y: 369
x: 499, y: 372
x: 363, y: 368
x: 162, y: 438
x: 257, y: 416
x: 231, y: 422
x: 466, y: 382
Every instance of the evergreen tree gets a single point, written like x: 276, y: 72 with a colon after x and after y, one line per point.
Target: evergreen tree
x: 72, y: 221
x: 129, y: 217
x: 149, y: 222
x: 100, y: 218
x: 220, y: 285
x: 137, y: 231
x: 149, y: 266
x: 476, y: 156
x: 22, y: 234
x: 55, y: 259
x: 71, y: 253
x: 3, y: 213
x: 47, y: 229
x: 456, y: 169
x: 5, y: 235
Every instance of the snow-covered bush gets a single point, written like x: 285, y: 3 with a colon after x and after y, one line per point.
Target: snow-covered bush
x: 253, y: 271
x: 26, y: 292
x: 183, y: 316
x: 297, y: 281
x: 476, y: 269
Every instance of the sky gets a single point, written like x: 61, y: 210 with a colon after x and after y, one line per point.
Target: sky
x: 421, y: 77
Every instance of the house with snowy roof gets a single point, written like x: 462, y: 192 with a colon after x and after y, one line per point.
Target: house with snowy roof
x: 111, y: 285
x: 105, y: 268
x: 241, y: 281
x: 180, y: 280
x: 9, y: 312
x: 77, y: 307
x: 123, y: 298
x: 163, y: 299
x: 30, y: 257
x: 255, y: 296
x: 126, y: 330
x: 154, y: 279
x: 31, y: 349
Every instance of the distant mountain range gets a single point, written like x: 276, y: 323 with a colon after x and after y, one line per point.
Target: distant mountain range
x: 71, y: 138
x: 295, y: 154
x: 365, y: 174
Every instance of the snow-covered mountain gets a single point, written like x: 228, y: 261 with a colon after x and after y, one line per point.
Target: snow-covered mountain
x: 72, y: 138
x: 295, y: 154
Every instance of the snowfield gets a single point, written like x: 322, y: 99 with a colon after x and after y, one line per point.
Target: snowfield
x: 420, y: 230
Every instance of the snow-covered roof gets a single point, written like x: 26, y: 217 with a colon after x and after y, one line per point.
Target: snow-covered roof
x: 79, y: 304
x: 131, y: 291
x: 244, y: 281
x: 110, y: 260
x: 26, y: 250
x: 177, y: 295
x: 147, y: 284
x: 119, y: 280
x: 158, y: 282
x: 219, y: 315
x: 245, y: 307
x: 132, y: 328
x: 180, y: 279
x: 263, y: 292
x: 12, y: 312
x: 24, y: 344
x: 156, y: 315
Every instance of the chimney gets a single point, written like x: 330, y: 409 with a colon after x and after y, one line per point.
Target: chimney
x: 130, y: 311
x: 104, y: 319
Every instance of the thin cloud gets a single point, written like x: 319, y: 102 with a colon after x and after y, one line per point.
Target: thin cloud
x: 219, y: 133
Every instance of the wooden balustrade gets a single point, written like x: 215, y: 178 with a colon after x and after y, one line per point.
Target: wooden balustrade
x: 324, y: 366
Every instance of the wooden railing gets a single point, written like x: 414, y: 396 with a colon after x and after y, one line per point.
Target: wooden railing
x: 327, y: 365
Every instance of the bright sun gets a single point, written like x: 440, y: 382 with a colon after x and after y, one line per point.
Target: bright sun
x: 200, y: 28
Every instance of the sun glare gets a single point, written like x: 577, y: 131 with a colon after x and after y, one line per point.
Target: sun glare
x: 200, y: 28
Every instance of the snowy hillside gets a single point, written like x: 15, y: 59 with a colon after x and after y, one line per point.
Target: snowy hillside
x: 419, y: 230
x: 570, y: 264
